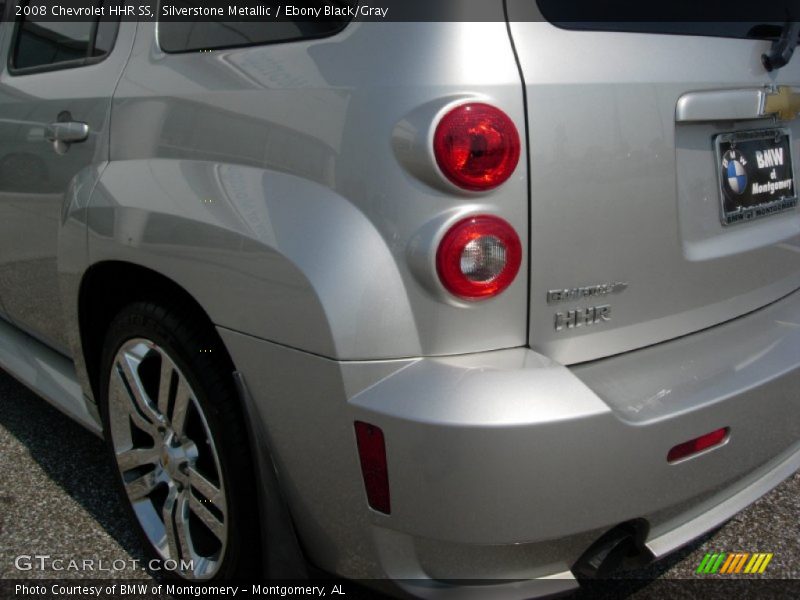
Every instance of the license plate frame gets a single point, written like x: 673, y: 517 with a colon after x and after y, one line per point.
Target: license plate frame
x: 757, y: 185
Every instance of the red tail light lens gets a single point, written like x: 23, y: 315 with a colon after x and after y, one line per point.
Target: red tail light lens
x: 697, y: 445
x: 372, y: 452
x: 476, y: 146
x: 479, y: 257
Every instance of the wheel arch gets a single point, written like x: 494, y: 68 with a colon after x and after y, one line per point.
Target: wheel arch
x: 269, y: 254
x: 106, y: 288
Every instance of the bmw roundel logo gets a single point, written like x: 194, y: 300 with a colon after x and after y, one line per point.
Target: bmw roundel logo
x: 734, y: 171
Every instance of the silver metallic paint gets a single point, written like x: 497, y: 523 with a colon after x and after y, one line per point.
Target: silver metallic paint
x: 620, y: 191
x: 31, y: 205
x: 272, y: 168
x: 281, y: 186
x: 555, y: 432
x: 48, y: 373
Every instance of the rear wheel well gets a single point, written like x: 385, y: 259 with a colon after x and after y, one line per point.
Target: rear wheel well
x: 107, y: 287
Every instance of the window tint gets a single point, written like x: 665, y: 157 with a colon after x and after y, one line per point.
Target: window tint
x: 105, y: 36
x: 204, y: 32
x: 40, y: 43
x: 733, y: 18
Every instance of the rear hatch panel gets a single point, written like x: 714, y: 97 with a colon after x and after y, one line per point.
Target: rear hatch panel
x: 628, y: 247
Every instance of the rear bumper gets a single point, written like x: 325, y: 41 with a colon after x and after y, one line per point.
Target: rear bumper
x: 507, y: 466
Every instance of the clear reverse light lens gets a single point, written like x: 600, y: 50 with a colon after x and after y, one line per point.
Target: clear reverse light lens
x: 483, y: 259
x: 479, y: 257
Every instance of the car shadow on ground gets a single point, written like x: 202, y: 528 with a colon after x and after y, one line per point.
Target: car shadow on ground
x: 72, y: 457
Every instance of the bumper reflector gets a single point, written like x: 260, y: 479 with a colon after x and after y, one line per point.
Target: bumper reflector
x: 697, y: 445
x: 372, y: 452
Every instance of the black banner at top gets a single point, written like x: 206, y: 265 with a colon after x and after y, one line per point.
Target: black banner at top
x: 579, y: 12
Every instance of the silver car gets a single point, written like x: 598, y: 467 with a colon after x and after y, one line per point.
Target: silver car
x: 422, y: 303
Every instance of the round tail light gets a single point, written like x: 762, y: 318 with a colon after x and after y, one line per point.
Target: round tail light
x: 476, y: 146
x: 479, y: 257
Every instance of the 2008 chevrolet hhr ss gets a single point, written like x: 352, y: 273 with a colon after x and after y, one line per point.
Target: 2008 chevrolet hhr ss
x: 418, y: 302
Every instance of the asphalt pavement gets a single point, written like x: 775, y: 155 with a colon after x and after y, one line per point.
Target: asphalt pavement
x: 56, y: 500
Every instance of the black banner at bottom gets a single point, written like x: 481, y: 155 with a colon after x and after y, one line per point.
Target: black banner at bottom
x: 712, y: 588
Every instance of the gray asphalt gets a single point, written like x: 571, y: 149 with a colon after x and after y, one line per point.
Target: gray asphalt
x: 56, y: 499
x: 55, y: 492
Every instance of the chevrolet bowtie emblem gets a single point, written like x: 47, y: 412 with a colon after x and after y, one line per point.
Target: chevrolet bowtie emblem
x: 783, y: 102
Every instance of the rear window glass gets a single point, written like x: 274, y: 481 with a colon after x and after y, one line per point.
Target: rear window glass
x: 190, y: 28
x: 734, y: 18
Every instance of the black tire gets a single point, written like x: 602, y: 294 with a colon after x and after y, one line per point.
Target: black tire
x: 184, y: 334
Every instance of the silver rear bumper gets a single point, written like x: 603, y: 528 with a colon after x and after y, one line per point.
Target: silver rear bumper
x: 506, y: 465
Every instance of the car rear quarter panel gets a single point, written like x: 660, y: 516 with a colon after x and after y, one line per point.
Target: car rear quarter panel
x: 281, y: 185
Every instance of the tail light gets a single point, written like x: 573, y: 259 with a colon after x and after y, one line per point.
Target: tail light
x: 479, y: 257
x: 476, y: 146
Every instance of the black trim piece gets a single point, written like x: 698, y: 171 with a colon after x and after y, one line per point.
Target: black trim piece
x: 300, y: 38
x: 527, y: 170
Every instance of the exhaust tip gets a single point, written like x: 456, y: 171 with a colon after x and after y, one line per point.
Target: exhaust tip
x: 618, y: 549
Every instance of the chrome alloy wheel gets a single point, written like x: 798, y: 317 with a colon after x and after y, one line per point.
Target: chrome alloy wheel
x: 167, y: 459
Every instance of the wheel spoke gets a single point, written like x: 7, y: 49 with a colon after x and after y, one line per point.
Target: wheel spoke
x: 133, y: 385
x: 141, y: 486
x: 182, y: 524
x: 200, y: 564
x: 211, y: 492
x: 165, y: 385
x: 136, y: 457
x: 170, y: 525
x: 214, y: 525
x: 120, y: 397
x: 141, y: 422
x: 182, y: 401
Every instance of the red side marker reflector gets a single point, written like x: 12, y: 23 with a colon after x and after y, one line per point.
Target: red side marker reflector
x: 697, y: 445
x: 372, y: 452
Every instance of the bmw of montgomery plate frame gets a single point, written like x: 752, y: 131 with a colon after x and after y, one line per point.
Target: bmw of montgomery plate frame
x: 399, y: 298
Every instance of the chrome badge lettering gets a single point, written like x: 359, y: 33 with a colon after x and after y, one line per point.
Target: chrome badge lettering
x: 782, y: 102
x: 583, y: 317
x: 579, y: 293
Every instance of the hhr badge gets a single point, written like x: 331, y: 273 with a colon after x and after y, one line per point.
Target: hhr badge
x: 583, y: 317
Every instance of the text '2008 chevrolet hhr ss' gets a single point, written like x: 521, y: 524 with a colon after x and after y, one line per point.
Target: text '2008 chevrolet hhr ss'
x: 423, y: 303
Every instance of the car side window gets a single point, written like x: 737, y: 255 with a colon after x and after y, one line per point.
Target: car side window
x: 192, y: 27
x: 41, y: 44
